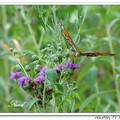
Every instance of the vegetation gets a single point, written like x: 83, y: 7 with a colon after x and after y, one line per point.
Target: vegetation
x: 32, y: 43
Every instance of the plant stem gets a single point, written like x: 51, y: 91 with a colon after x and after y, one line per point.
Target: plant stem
x: 86, y: 8
x: 21, y: 66
x: 41, y: 37
x: 4, y: 19
x: 98, y: 97
x: 31, y: 31
x: 43, y: 99
x: 113, y: 64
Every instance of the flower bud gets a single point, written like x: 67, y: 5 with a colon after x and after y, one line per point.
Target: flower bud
x: 51, y: 47
x: 59, y: 48
x: 17, y: 68
x: 59, y: 44
x: 67, y: 54
x: 26, y: 87
x: 11, y: 49
x: 40, y: 87
x: 38, y: 68
x: 48, y: 45
x: 55, y: 59
x: 49, y: 50
x: 27, y: 68
x: 42, y: 50
x: 15, y: 51
x: 34, y: 63
x: 35, y: 57
x: 35, y: 91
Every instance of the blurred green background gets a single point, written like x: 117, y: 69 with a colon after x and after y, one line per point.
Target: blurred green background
x: 92, y: 28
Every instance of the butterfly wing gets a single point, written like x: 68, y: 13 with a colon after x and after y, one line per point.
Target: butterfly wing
x: 78, y: 53
x: 68, y: 38
x: 94, y: 54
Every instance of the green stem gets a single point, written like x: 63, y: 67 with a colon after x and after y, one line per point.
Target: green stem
x: 21, y: 66
x: 31, y: 31
x: 43, y: 29
x: 113, y: 64
x: 41, y: 37
x: 81, y: 23
x: 43, y: 99
x: 54, y: 108
x: 98, y: 97
x: 4, y: 19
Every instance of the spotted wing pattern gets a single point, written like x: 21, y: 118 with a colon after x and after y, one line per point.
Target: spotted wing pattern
x: 68, y: 38
x: 94, y: 54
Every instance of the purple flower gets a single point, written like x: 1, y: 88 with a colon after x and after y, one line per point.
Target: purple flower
x: 23, y: 80
x: 15, y: 75
x: 40, y: 79
x: 72, y: 65
x: 59, y: 67
x: 43, y: 70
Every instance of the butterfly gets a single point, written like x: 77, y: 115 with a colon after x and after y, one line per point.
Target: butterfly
x: 78, y: 53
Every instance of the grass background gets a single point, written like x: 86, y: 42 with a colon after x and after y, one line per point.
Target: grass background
x: 93, y: 28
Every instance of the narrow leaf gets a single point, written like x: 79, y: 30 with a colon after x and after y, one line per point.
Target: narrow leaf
x: 89, y: 99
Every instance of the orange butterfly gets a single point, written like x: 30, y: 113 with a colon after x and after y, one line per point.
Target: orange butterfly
x: 78, y: 53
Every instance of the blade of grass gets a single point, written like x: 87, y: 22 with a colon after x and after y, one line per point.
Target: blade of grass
x: 30, y: 29
x: 86, y: 9
x: 89, y: 99
x: 113, y: 63
x: 84, y: 71
x: 89, y: 66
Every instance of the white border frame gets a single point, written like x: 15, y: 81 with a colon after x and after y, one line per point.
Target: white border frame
x: 59, y: 114
x: 61, y: 2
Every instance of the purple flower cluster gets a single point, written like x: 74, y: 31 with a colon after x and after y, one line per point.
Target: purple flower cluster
x: 41, y: 78
x: 43, y: 70
x: 24, y: 80
x: 59, y: 67
x: 72, y: 65
x: 15, y: 75
x: 21, y: 79
x: 68, y: 65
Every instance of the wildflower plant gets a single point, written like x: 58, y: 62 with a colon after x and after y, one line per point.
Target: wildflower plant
x: 47, y: 77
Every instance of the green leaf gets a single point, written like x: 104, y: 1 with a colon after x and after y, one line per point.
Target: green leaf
x: 15, y: 87
x: 52, y: 75
x: 60, y: 87
x: 106, y: 109
x: 58, y: 94
x: 32, y: 102
x: 84, y: 71
x: 42, y: 22
x: 89, y: 66
x: 77, y: 95
x: 92, y: 76
x: 51, y: 29
x: 89, y: 99
x: 113, y: 22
